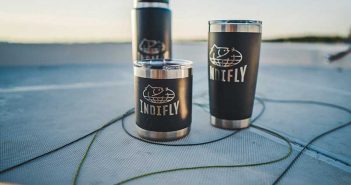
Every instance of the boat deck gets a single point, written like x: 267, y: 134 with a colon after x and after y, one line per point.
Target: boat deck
x: 52, y: 117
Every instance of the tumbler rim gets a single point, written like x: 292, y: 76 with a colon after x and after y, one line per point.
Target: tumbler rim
x: 234, y: 21
x: 163, y: 68
x: 246, y: 26
x: 163, y: 63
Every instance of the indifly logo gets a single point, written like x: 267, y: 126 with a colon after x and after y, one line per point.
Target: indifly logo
x: 225, y: 60
x: 224, y: 56
x: 151, y: 47
x: 159, y: 95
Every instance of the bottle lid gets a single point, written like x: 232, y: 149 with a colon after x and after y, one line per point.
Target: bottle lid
x: 153, y: 1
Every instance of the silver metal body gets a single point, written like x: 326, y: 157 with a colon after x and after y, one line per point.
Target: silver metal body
x: 173, y: 69
x: 230, y: 124
x: 248, y: 26
x: 163, y: 136
x: 145, y: 72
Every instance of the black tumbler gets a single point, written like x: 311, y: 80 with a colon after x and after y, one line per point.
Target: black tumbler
x: 163, y: 98
x: 233, y: 56
x: 151, y: 30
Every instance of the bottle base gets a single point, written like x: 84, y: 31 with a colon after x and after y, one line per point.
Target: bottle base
x: 230, y: 124
x: 163, y: 136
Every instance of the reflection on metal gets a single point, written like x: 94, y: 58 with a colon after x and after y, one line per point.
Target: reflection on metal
x: 251, y: 26
x: 230, y: 124
x: 162, y: 136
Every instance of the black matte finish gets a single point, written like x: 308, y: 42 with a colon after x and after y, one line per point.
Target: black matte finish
x: 232, y: 96
x: 153, y: 33
x: 160, y: 121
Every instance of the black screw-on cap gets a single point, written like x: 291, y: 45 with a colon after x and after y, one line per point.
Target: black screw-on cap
x: 154, y: 1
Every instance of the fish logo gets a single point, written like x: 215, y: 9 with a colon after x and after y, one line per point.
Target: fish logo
x: 158, y: 95
x: 224, y: 56
x: 151, y: 47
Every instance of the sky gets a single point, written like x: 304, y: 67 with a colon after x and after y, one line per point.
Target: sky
x: 110, y: 21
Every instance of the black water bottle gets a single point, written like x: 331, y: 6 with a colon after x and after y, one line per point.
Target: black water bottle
x: 151, y: 29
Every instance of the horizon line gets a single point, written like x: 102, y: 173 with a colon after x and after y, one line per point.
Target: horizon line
x: 175, y: 40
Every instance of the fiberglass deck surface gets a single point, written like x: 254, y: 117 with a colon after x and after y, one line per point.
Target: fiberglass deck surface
x: 43, y: 107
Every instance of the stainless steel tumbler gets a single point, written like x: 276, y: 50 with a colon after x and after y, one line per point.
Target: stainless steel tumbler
x: 151, y: 30
x: 233, y: 56
x: 163, y: 98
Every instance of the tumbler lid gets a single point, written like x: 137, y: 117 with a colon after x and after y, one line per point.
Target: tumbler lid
x: 153, y: 1
x: 151, y: 4
x: 163, y: 69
